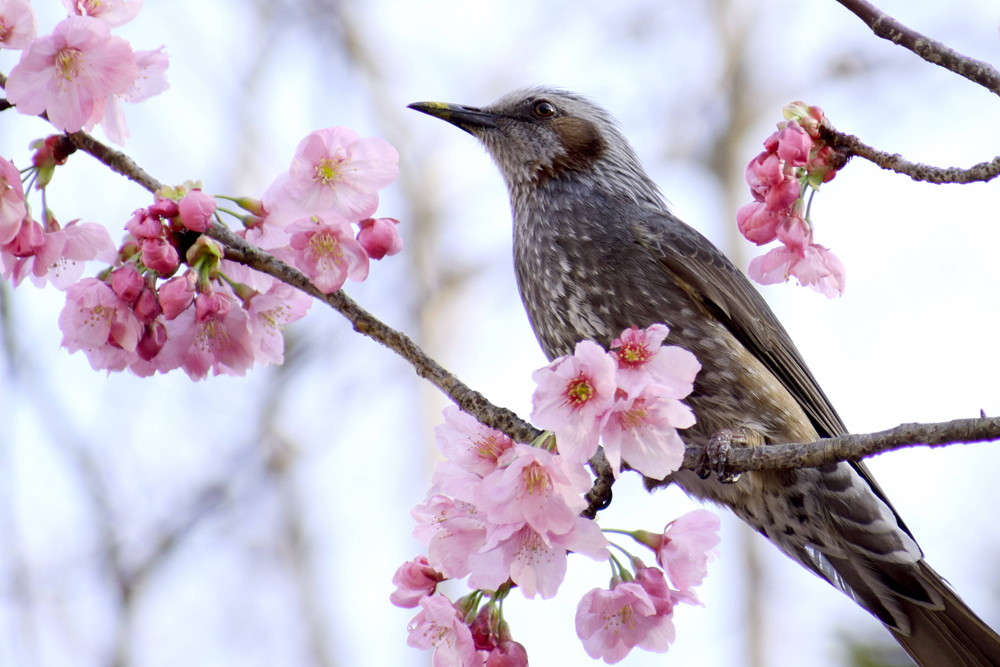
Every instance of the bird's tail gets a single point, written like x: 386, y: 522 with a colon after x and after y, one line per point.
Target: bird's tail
x: 949, y: 634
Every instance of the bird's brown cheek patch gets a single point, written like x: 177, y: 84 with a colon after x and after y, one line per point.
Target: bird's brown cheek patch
x: 583, y: 143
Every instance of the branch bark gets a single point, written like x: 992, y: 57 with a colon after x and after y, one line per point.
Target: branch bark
x: 849, y: 145
x: 932, y: 51
x: 855, y: 446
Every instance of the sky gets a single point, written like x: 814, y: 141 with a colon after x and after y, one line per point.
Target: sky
x: 261, y: 518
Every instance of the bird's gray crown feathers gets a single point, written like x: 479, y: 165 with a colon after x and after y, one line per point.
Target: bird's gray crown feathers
x: 541, y: 134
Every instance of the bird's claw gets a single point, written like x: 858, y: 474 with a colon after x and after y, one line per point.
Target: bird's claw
x: 716, y: 455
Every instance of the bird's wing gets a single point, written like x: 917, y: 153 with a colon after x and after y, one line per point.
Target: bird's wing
x: 715, y: 283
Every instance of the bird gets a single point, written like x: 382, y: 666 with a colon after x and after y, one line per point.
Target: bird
x: 597, y: 250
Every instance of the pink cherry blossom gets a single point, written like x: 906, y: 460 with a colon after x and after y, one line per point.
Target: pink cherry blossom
x: 572, y: 395
x: 379, y: 237
x: 17, y: 255
x: 212, y: 336
x: 535, y: 562
x: 471, y: 450
x: 336, y: 171
x: 453, y: 531
x: 17, y: 24
x: 814, y: 266
x: 70, y: 73
x: 613, y: 622
x: 95, y: 317
x: 642, y: 359
x: 60, y: 258
x: 269, y: 313
x: 439, y: 626
x: 687, y: 546
x: 151, y: 80
x: 113, y: 12
x: 12, y: 206
x: 534, y: 488
x: 414, y: 580
x: 327, y: 252
x: 641, y: 428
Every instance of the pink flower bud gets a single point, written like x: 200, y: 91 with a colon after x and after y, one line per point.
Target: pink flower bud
x: 196, y: 209
x: 210, y: 307
x: 783, y: 194
x: 379, y: 237
x: 794, y: 144
x: 762, y: 173
x: 143, y: 225
x: 757, y: 222
x: 177, y: 294
x: 414, y: 580
x: 164, y: 208
x: 127, y: 283
x: 147, y: 306
x: 154, y: 337
x: 508, y: 654
x: 29, y: 239
x: 160, y: 256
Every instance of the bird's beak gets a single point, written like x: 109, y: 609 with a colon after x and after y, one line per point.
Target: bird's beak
x: 467, y: 118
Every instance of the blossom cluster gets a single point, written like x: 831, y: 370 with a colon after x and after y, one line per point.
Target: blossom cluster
x: 793, y: 164
x: 628, y: 399
x: 80, y: 74
x: 504, y: 514
x: 170, y: 299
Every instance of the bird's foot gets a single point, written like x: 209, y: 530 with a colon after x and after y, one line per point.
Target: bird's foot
x: 716, y: 455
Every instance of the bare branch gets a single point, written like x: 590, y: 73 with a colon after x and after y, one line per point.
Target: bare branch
x: 365, y: 323
x: 855, y: 446
x: 849, y: 145
x: 930, y: 50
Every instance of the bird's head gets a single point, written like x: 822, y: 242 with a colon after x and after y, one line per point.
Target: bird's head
x: 538, y: 135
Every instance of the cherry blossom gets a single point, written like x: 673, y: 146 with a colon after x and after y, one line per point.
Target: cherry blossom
x: 336, y: 171
x: 12, y: 207
x: 327, y: 252
x: 611, y: 622
x: 70, y: 73
x: 439, y: 626
x: 17, y: 24
x: 414, y: 580
x: 113, y: 12
x: 572, y: 395
x: 793, y: 163
x: 641, y: 428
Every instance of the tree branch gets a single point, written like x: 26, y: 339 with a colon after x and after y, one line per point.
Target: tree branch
x: 468, y: 399
x: 855, y: 446
x: 930, y: 50
x: 849, y: 145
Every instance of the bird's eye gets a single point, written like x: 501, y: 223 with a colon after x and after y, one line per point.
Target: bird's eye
x: 545, y: 109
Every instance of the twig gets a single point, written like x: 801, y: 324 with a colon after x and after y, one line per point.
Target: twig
x: 849, y: 145
x: 930, y: 50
